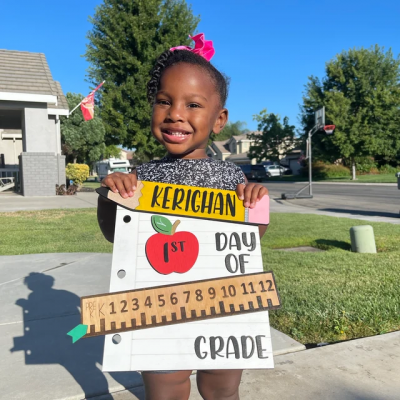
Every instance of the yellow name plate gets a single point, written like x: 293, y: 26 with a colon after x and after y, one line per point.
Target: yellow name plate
x: 191, y: 201
x: 179, y: 303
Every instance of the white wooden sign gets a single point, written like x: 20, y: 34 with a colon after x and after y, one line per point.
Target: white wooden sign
x: 224, y: 249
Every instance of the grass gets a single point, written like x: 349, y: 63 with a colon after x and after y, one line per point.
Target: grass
x: 381, y: 178
x: 51, y: 231
x: 91, y: 184
x: 334, y: 295
x: 326, y: 296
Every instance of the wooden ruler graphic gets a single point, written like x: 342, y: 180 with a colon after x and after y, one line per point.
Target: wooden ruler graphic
x: 191, y: 201
x: 179, y: 303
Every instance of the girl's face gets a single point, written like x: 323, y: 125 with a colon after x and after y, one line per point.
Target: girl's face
x: 186, y: 110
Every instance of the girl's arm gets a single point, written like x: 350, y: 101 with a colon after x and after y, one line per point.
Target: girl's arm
x: 125, y: 185
x: 251, y: 193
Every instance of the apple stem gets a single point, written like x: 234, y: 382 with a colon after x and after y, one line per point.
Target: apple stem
x: 174, y: 226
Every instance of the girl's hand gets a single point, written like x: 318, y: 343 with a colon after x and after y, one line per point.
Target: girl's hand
x: 118, y: 182
x: 251, y: 193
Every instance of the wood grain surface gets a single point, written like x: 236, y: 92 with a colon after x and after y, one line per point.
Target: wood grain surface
x: 179, y: 303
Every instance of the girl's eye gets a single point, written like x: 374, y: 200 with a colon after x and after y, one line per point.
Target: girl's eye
x: 194, y: 105
x: 162, y: 102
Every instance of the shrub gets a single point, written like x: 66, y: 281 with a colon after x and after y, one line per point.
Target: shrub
x: 365, y: 165
x: 327, y: 171
x: 372, y: 171
x: 77, y: 172
x: 388, y: 169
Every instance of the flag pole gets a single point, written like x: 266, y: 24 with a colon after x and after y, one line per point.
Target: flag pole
x: 101, y: 84
x: 75, y: 108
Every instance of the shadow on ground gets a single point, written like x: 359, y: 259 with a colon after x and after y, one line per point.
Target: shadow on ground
x: 48, y: 314
x: 362, y: 212
x: 326, y: 244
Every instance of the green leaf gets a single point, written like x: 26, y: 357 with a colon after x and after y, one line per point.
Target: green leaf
x: 161, y: 224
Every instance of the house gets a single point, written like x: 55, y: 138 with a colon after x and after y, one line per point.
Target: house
x: 31, y: 102
x: 234, y: 149
x: 126, y: 155
x: 293, y: 160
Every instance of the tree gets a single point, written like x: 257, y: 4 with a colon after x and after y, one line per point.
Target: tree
x: 112, y: 151
x: 361, y: 95
x: 82, y: 141
x: 276, y: 138
x: 124, y: 43
x: 231, y: 129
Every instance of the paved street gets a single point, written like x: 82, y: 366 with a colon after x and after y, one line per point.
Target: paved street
x: 362, y: 199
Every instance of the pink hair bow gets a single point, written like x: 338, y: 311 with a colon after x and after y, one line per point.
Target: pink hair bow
x: 202, y: 47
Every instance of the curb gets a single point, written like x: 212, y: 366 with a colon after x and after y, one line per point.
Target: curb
x: 335, y: 183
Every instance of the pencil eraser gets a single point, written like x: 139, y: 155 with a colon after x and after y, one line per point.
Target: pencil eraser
x: 260, y: 213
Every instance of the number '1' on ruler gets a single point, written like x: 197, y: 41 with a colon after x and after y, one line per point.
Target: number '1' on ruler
x: 178, y: 303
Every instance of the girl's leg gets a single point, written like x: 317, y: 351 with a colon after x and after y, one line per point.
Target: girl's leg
x: 169, y: 386
x: 220, y: 384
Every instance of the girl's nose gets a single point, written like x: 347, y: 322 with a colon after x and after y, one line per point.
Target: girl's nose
x: 176, y: 113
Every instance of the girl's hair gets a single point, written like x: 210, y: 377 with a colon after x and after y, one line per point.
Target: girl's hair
x: 170, y: 58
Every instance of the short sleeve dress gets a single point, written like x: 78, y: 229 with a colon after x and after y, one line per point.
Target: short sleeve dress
x: 205, y: 172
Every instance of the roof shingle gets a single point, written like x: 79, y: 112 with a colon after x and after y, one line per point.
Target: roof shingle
x: 25, y: 72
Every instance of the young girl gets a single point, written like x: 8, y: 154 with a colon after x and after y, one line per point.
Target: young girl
x: 188, y: 96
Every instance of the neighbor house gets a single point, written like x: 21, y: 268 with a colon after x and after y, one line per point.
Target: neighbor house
x: 31, y: 102
x: 235, y: 149
x: 293, y: 160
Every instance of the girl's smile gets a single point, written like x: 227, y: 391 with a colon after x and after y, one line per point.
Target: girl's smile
x: 175, y: 135
x: 186, y: 110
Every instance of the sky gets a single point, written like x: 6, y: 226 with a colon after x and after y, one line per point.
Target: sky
x: 267, y: 48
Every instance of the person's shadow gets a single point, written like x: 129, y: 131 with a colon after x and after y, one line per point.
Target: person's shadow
x: 48, y: 315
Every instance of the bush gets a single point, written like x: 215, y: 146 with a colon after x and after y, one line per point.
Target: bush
x: 388, y: 169
x: 327, y: 171
x: 77, y: 172
x: 365, y: 165
x: 372, y: 171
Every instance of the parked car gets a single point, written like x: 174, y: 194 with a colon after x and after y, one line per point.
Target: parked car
x: 275, y: 170
x: 254, y: 172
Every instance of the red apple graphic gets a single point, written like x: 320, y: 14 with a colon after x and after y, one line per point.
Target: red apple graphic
x: 168, y: 251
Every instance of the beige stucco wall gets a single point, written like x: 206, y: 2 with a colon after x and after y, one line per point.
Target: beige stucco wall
x: 40, y: 130
x: 244, y: 146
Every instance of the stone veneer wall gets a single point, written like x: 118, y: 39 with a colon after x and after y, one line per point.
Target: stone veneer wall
x: 41, y: 172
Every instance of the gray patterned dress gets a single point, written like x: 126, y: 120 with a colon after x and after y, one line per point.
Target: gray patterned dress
x: 204, y: 172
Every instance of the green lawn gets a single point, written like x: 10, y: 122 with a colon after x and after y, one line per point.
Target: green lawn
x: 326, y: 296
x: 91, y: 184
x: 382, y: 178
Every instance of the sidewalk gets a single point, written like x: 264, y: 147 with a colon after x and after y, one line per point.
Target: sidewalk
x: 14, y: 202
x: 283, y: 206
x: 363, y: 369
x: 39, y: 300
x: 336, y: 183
